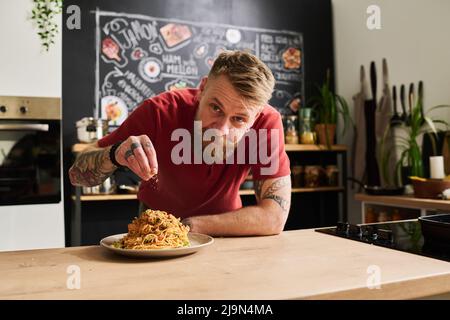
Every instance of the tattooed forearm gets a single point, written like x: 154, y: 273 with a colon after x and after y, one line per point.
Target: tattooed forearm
x: 274, y: 191
x: 277, y: 185
x: 283, y: 203
x: 258, y: 187
x: 91, y: 168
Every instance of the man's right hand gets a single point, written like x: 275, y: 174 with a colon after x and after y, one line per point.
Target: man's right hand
x: 138, y: 154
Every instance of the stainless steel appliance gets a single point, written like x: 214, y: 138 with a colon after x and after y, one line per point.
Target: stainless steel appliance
x: 30, y: 153
x: 90, y: 129
x: 31, y: 208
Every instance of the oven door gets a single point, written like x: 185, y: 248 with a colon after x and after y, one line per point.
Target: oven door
x: 30, y: 162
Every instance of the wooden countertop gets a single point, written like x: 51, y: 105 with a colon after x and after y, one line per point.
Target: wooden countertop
x: 406, y: 201
x: 295, y: 264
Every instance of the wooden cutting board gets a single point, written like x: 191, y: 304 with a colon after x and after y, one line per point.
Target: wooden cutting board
x: 446, y: 153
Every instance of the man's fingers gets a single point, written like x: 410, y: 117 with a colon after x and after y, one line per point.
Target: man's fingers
x: 142, y: 160
x: 133, y: 164
x: 150, y: 153
x: 138, y: 154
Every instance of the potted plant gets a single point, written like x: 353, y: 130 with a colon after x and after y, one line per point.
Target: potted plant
x: 44, y: 14
x: 410, y: 150
x: 328, y: 106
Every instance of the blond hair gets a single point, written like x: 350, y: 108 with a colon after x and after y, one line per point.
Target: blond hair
x: 252, y: 79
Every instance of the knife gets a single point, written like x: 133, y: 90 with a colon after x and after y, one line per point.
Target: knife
x: 402, y: 102
x: 396, y: 119
x: 411, y: 99
x: 373, y: 82
x: 420, y: 98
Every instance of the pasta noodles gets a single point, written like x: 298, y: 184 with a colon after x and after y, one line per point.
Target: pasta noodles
x: 155, y: 229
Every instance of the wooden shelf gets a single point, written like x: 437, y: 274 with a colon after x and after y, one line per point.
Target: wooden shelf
x: 246, y: 192
x: 289, y: 147
x: 107, y: 197
x: 314, y: 147
x: 405, y: 201
x: 300, y: 190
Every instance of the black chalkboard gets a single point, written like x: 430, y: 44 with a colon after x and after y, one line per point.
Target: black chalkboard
x: 312, y: 19
x: 139, y: 56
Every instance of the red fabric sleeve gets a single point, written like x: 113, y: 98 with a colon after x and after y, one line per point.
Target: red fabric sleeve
x: 141, y: 121
x: 277, y: 161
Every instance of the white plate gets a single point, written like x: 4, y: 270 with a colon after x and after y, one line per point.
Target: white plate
x: 197, y: 240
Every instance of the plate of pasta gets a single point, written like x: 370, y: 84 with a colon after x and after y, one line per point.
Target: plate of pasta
x: 156, y: 234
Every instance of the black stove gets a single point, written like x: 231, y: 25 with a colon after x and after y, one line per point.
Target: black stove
x: 403, y: 235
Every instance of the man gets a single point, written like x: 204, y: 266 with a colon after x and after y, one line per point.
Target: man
x: 232, y: 104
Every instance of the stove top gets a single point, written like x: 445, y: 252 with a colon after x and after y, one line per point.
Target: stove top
x: 403, y: 235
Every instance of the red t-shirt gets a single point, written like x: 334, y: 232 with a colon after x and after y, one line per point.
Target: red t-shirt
x: 194, y: 189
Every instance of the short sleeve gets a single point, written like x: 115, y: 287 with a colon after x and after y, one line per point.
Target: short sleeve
x: 273, y: 162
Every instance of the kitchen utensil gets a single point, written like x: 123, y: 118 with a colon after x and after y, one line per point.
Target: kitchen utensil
x: 197, y: 242
x: 373, y: 81
x: 420, y: 99
x: 90, y: 129
x: 436, y: 229
x: 402, y: 102
x: 411, y: 101
x: 106, y: 187
x: 378, y: 190
x: 396, y: 118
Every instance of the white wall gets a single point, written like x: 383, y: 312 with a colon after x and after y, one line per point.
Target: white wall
x: 27, y: 70
x: 414, y: 37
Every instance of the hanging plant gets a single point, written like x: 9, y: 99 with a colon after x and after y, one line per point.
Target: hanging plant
x: 43, y: 14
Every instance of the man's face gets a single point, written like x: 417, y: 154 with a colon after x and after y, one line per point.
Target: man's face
x: 223, y: 109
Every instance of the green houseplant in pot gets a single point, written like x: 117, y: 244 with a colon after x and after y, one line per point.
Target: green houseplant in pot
x: 410, y: 156
x: 44, y: 14
x: 328, y: 106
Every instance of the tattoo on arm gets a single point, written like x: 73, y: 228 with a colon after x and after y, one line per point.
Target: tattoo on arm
x: 283, y: 203
x: 271, y: 192
x: 258, y: 187
x: 91, y: 168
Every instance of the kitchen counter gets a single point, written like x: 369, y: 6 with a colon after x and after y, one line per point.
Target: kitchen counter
x: 300, y: 264
x: 407, y: 201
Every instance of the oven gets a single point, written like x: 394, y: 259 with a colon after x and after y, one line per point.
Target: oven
x: 31, y: 210
x: 30, y: 166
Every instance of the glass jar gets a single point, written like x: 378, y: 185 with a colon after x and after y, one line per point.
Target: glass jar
x: 291, y: 132
x: 313, y: 176
x: 307, y: 134
x: 332, y: 173
x: 298, y: 175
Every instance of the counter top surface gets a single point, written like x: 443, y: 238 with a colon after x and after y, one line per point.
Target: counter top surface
x: 300, y: 264
x: 406, y: 201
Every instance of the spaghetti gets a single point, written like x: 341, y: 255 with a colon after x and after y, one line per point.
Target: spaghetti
x: 154, y: 229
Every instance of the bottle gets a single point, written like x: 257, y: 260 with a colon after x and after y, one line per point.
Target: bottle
x: 291, y: 136
x: 307, y: 135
